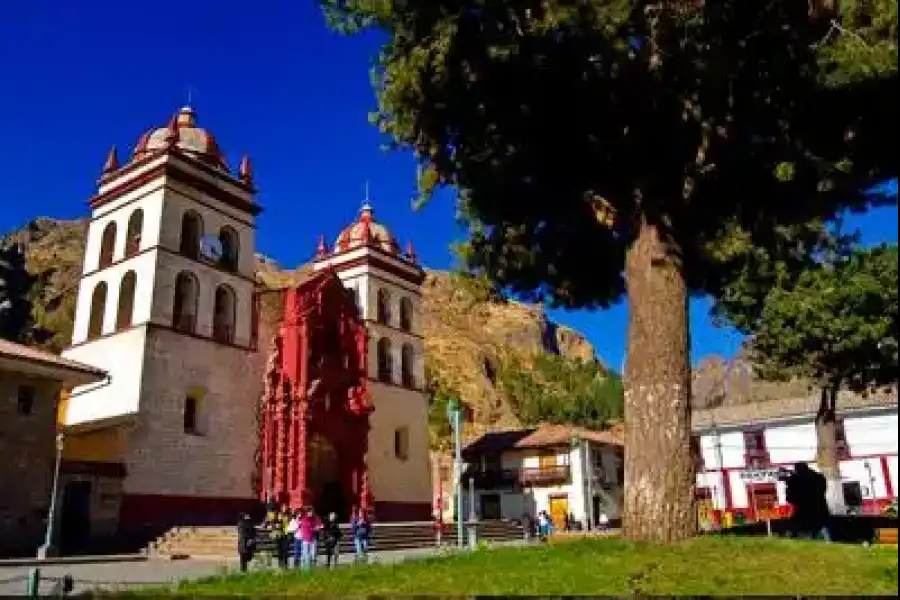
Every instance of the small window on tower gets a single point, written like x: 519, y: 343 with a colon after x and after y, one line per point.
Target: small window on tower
x: 26, y: 400
x: 191, y: 409
x: 401, y: 443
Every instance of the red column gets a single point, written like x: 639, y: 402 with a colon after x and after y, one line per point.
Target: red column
x: 888, y: 484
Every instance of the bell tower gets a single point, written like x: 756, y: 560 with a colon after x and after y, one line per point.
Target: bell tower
x: 386, y: 283
x: 165, y: 305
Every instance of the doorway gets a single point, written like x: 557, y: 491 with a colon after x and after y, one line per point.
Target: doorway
x: 763, y: 501
x: 559, y: 511
x: 75, y: 518
x: 324, y: 478
x: 490, y: 506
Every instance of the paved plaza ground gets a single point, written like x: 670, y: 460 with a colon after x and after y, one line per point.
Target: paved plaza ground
x: 132, y: 574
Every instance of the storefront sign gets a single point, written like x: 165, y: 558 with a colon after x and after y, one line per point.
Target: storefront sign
x: 760, y: 476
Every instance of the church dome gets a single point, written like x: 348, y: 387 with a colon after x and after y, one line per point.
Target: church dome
x: 366, y: 231
x: 183, y: 133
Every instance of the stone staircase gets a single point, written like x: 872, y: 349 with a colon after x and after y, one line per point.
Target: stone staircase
x: 221, y: 542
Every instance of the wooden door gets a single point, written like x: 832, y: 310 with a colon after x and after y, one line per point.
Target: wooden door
x: 559, y: 508
x: 764, y: 501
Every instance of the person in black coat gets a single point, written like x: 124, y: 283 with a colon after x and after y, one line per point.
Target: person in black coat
x: 331, y: 537
x: 806, y: 493
x: 246, y: 541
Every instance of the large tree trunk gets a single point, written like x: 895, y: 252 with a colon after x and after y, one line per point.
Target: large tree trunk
x: 826, y: 450
x: 659, y: 470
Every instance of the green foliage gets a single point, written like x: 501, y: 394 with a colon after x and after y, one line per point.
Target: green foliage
x: 836, y: 325
x: 564, y: 125
x: 439, y: 395
x: 561, y: 389
x: 15, y: 287
x: 862, y: 41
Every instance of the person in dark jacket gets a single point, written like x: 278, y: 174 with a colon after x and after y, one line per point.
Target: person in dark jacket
x: 331, y: 537
x: 806, y: 493
x: 246, y: 541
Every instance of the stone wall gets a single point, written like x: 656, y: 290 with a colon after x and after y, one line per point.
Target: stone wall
x: 27, y: 448
x: 202, y: 476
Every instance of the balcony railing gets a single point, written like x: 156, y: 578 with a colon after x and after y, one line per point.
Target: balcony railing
x: 526, y: 477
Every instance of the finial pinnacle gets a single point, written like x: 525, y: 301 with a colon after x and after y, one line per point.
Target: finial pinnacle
x: 245, y: 170
x: 112, y: 161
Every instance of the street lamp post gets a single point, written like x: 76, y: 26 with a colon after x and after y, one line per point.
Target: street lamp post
x: 453, y: 414
x: 44, y: 550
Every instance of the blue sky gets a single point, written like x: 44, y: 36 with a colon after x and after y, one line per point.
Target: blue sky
x: 268, y: 78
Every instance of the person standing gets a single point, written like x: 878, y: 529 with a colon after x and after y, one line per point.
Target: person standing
x: 543, y: 525
x: 293, y: 531
x: 315, y: 524
x: 603, y: 522
x: 283, y: 539
x: 361, y: 529
x: 331, y: 537
x: 246, y: 541
x: 806, y: 494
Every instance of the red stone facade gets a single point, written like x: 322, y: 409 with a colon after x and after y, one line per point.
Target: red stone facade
x: 314, y: 414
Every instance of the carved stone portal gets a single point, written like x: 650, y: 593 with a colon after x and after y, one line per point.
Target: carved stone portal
x: 315, y: 408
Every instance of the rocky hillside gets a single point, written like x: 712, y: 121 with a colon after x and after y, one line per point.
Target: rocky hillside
x: 472, y: 340
x: 721, y: 382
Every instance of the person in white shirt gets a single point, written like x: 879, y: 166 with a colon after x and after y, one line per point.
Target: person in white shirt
x: 603, y: 522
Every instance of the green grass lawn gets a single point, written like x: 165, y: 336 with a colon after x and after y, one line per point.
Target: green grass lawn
x: 703, y: 566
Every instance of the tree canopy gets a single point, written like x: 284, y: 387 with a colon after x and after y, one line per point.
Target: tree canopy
x: 837, y: 325
x: 658, y: 147
x: 15, y: 285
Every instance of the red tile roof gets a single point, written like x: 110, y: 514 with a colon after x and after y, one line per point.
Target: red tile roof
x: 543, y: 436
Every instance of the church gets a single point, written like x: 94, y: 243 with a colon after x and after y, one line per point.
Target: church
x: 221, y: 392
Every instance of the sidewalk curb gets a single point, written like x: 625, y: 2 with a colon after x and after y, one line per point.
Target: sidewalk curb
x: 73, y: 560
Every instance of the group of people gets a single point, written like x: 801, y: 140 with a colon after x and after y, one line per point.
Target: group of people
x: 545, y: 526
x: 298, y: 535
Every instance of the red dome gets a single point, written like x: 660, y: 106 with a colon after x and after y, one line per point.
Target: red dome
x: 194, y: 141
x: 366, y: 231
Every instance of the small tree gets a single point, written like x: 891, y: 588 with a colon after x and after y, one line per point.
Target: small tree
x: 15, y: 286
x: 836, y: 326
x: 651, y: 147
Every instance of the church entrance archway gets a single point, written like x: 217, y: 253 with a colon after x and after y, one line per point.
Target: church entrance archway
x: 324, y: 477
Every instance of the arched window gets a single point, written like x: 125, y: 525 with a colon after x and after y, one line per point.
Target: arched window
x: 384, y: 307
x: 191, y: 232
x: 401, y: 443
x: 125, y: 309
x: 98, y: 311
x: 231, y: 246
x: 133, y: 233
x: 184, y: 305
x: 385, y: 361
x: 108, y: 244
x: 223, y: 317
x: 406, y: 314
x: 356, y: 300
x: 408, y: 366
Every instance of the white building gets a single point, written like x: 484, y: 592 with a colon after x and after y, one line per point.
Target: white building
x: 168, y: 306
x: 554, y: 468
x: 742, y: 447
